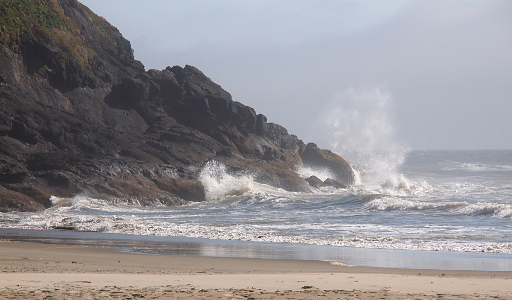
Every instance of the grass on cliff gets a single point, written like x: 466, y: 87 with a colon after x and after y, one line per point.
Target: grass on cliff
x: 48, y: 18
x: 97, y: 21
x: 18, y: 16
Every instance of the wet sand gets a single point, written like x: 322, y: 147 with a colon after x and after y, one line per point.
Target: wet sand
x: 39, y: 271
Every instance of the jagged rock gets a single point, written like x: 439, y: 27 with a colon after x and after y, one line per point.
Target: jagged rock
x: 79, y: 115
x: 14, y: 201
x: 196, y: 84
x: 5, y: 124
x: 312, y: 155
x: 22, y: 132
x: 282, y: 139
x: 314, y: 181
x: 39, y: 195
x: 261, y: 125
x: 280, y: 174
x: 189, y: 190
x: 272, y: 154
x: 127, y: 94
x: 334, y: 183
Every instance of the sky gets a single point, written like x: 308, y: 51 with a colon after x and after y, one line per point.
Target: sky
x: 403, y: 74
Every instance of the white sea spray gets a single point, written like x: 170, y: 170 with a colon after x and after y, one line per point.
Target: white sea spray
x: 358, y: 125
x: 429, y: 208
x: 218, y: 182
x: 308, y: 171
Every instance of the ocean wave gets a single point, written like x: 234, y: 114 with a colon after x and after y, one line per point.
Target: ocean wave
x: 398, y: 204
x: 402, y: 185
x: 397, y: 182
x: 321, y: 173
x: 220, y: 184
x: 217, y: 182
x: 83, y: 202
x: 395, y: 186
x: 130, y: 224
x: 477, y: 167
x: 236, y: 192
x: 496, y: 210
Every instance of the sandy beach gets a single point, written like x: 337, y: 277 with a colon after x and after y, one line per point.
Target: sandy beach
x: 42, y: 271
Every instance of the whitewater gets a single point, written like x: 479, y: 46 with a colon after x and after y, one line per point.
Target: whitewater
x: 454, y: 201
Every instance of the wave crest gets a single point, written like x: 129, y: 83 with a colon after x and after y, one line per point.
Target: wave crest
x: 496, y: 210
x: 503, y: 211
x: 218, y: 182
x: 397, y: 204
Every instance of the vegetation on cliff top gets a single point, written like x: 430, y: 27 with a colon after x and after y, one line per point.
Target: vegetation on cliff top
x: 46, y: 17
x: 18, y: 16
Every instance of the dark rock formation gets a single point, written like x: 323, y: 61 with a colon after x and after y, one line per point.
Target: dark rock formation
x: 78, y: 115
x: 14, y: 201
x: 334, y: 183
x: 315, y: 181
x: 312, y: 155
x: 318, y: 183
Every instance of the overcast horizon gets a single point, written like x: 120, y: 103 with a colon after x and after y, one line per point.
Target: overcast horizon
x: 347, y: 75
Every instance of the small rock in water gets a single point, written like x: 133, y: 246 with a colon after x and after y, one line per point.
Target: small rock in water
x: 314, y: 181
x: 335, y: 183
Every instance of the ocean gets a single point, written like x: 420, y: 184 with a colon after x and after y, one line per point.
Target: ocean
x: 442, y: 202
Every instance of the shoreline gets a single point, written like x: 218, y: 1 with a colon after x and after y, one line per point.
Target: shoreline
x: 202, y: 247
x: 83, y: 272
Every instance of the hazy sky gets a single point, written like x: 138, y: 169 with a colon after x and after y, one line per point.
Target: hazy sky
x: 344, y: 74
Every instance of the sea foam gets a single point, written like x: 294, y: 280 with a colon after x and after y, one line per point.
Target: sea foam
x: 218, y: 182
x: 321, y: 173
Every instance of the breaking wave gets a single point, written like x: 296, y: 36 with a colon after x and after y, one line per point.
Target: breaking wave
x: 321, y: 173
x: 129, y: 220
x: 459, y: 212
x: 218, y: 182
x: 461, y: 208
x: 487, y: 209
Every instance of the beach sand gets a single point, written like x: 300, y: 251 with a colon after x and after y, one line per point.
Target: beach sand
x: 47, y: 271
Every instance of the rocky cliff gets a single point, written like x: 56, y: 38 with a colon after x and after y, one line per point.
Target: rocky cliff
x: 79, y: 115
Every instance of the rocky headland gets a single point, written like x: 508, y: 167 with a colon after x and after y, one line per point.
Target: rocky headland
x: 79, y: 115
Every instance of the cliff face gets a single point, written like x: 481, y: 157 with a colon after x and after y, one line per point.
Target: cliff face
x: 79, y: 115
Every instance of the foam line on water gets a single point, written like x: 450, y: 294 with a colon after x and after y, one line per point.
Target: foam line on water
x: 496, y: 210
x: 132, y: 224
